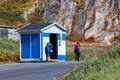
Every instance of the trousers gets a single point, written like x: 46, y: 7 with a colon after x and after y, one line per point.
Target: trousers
x: 77, y: 56
x: 47, y: 57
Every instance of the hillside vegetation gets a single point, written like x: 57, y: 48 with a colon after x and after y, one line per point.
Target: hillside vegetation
x: 106, y: 67
x: 11, y: 12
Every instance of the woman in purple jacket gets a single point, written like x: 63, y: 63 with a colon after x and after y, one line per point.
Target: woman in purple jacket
x: 77, y: 51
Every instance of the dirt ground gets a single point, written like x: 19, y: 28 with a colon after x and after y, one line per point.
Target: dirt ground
x: 86, y: 44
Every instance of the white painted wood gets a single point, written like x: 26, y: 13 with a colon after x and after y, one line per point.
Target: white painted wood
x: 52, y: 25
x: 45, y: 40
x: 61, y: 47
x: 20, y: 47
x: 30, y: 59
x: 47, y: 27
x: 61, y: 26
x: 40, y: 46
x: 53, y: 29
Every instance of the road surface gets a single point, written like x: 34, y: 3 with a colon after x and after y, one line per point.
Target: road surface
x: 35, y: 71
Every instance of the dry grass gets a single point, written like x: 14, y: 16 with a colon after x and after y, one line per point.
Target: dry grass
x: 10, y: 62
x: 86, y: 52
x: 86, y: 43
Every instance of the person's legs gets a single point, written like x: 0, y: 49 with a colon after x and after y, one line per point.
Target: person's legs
x: 46, y: 57
x: 78, y: 56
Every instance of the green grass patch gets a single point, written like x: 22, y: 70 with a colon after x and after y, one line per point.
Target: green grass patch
x: 8, y: 45
x: 106, y: 67
x: 9, y: 50
x: 86, y: 52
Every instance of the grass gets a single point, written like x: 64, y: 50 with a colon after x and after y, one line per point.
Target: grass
x: 86, y: 52
x: 9, y: 50
x: 106, y: 67
x: 8, y: 45
x: 10, y: 62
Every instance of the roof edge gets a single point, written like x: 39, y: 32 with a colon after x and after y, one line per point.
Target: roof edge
x: 23, y: 27
x: 61, y: 27
x: 47, y: 27
x: 52, y: 25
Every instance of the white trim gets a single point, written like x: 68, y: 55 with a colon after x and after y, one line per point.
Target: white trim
x: 58, y: 60
x: 61, y: 35
x: 54, y: 29
x: 23, y: 26
x: 61, y: 26
x: 20, y: 47
x: 62, y: 48
x: 45, y: 40
x: 52, y: 25
x: 37, y: 59
x: 30, y: 47
x: 47, y: 27
x: 40, y: 45
x: 40, y: 60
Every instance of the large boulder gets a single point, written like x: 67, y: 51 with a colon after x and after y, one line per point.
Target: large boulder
x: 105, y: 42
x: 105, y: 37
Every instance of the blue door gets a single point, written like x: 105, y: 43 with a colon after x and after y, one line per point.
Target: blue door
x: 35, y: 46
x: 25, y: 46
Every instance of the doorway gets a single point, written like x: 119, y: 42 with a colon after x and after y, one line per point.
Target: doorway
x: 53, y: 40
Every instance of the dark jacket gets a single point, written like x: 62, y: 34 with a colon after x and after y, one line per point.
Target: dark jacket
x: 47, y: 49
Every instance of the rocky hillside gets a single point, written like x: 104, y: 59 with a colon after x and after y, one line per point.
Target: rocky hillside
x: 97, y: 19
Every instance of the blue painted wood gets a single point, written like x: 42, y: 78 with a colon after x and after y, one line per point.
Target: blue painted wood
x: 35, y: 52
x: 61, y: 57
x: 63, y: 36
x: 58, y: 38
x: 45, y: 34
x: 25, y: 46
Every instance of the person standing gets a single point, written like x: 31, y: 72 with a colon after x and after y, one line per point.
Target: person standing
x: 77, y: 51
x: 47, y: 51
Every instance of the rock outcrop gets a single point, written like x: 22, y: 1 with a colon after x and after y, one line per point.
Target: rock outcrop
x: 101, y: 15
x: 95, y: 18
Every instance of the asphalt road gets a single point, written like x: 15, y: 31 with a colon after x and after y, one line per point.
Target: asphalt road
x: 35, y: 71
